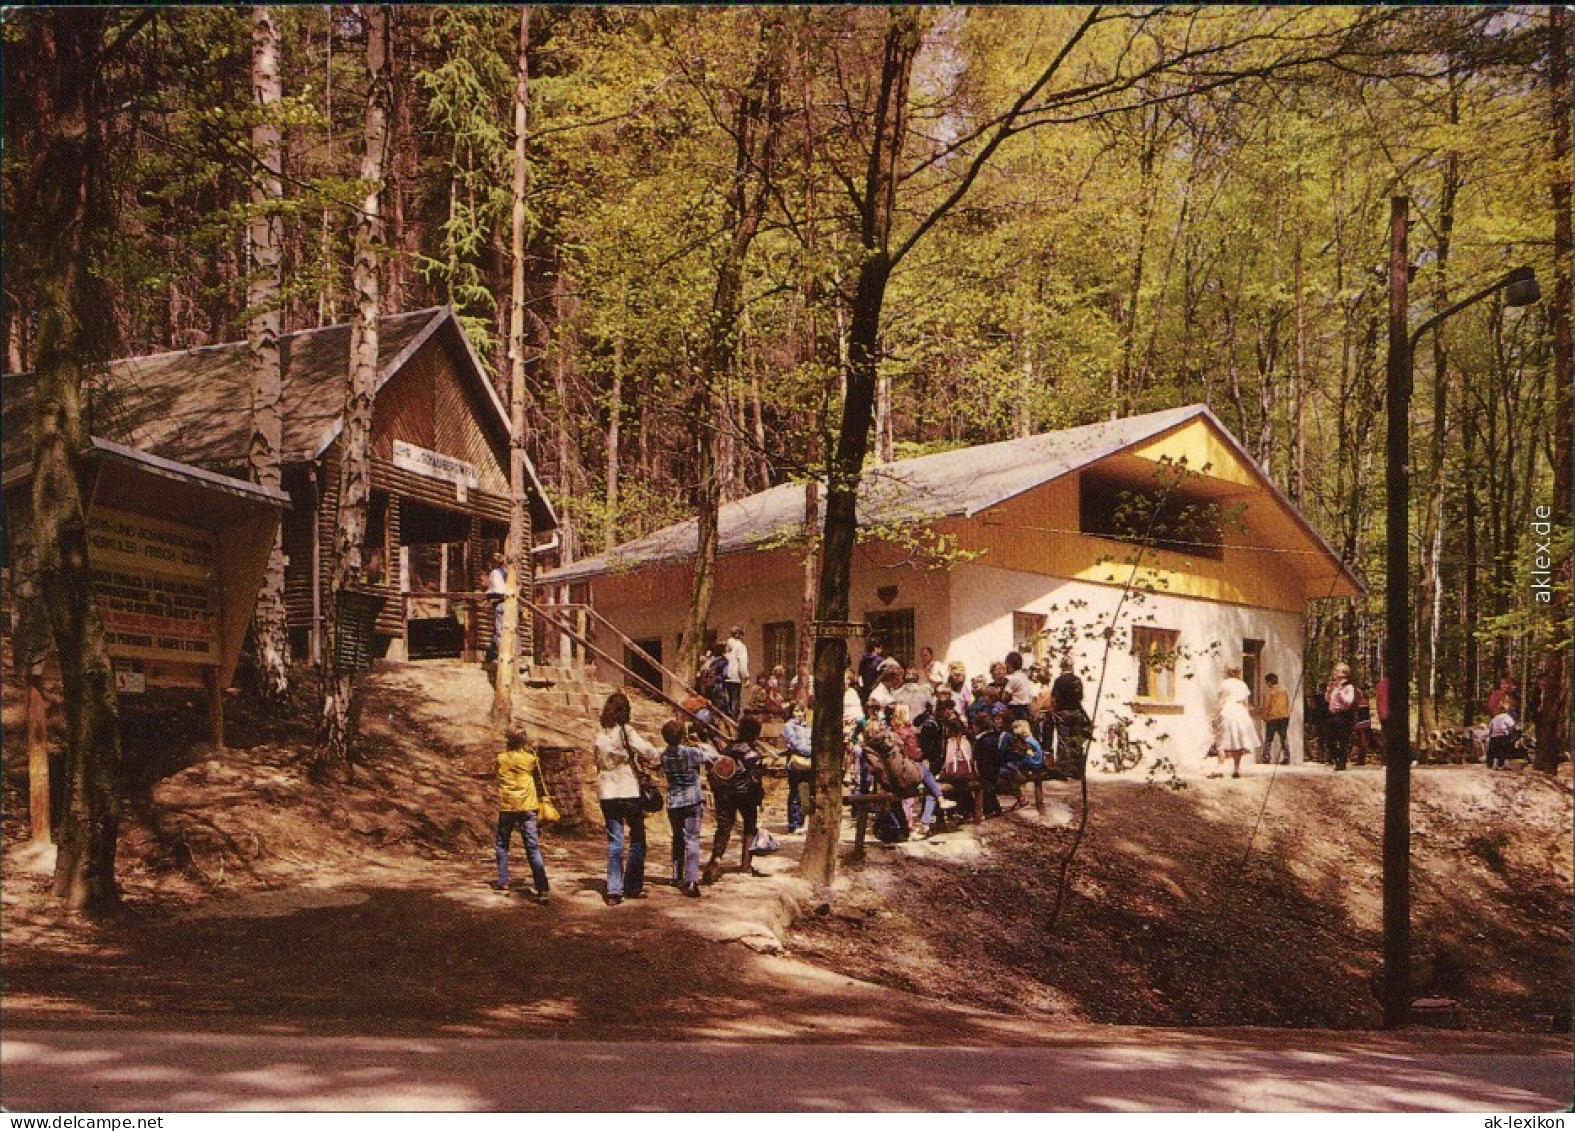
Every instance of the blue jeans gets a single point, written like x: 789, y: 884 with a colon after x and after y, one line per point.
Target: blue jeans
x: 625, y: 877
x: 932, y: 796
x: 497, y: 630
x: 800, y: 783
x: 526, y: 823
x: 685, y: 823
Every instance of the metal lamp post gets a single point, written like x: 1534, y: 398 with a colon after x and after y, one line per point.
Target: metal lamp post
x: 1520, y: 289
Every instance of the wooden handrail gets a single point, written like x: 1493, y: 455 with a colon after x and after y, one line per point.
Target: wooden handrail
x: 721, y: 723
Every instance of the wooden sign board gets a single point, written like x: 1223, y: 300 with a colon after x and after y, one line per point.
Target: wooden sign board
x: 435, y: 465
x: 156, y: 583
x: 839, y: 629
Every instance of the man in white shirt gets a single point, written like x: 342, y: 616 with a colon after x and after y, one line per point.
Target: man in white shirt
x: 1020, y: 686
x: 934, y: 671
x: 497, y: 590
x: 737, y: 673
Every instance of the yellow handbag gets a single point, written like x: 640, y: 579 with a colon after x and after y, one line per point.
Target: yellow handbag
x: 546, y: 810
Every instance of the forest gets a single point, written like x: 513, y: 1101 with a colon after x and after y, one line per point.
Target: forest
x: 723, y: 237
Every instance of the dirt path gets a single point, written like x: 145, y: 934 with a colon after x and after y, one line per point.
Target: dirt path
x: 256, y: 898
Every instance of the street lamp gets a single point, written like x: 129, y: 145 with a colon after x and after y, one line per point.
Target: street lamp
x: 1520, y: 289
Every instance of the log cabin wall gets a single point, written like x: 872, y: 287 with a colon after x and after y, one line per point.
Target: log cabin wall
x: 426, y: 404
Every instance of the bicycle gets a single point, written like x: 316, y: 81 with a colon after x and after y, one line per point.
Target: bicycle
x: 1122, y: 751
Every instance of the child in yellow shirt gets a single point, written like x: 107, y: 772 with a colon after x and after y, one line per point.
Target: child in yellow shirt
x: 518, y: 803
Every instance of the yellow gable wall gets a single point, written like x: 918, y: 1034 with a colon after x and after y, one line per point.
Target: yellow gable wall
x: 1037, y: 533
x: 1196, y: 443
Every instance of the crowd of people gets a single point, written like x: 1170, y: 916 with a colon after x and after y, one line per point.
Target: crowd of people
x: 910, y: 733
x: 1341, y: 716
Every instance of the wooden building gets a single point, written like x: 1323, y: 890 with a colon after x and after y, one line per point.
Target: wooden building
x: 439, y: 454
x: 177, y: 554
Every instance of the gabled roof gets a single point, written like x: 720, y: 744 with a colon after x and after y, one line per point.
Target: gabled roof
x: 959, y: 483
x: 191, y: 405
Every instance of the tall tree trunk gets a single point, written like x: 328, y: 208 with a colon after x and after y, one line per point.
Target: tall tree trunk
x: 1472, y: 687
x: 756, y: 129
x: 1433, y: 522
x: 614, y: 420
x: 270, y: 629
x: 66, y: 207
x: 518, y: 549
x: 806, y: 643
x: 884, y: 445
x: 1122, y: 387
x: 567, y: 456
x: 1553, y: 708
x: 877, y: 205
x: 355, y: 482
x: 1299, y: 378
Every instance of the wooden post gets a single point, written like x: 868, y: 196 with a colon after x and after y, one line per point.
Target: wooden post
x: 215, y: 707
x: 37, y: 758
x: 1039, y: 795
x: 861, y: 820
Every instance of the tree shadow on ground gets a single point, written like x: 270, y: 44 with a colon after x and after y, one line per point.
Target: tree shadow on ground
x: 1179, y: 914
x: 1130, y: 1072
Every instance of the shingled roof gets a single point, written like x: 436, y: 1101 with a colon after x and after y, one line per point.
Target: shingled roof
x: 191, y: 405
x: 959, y: 483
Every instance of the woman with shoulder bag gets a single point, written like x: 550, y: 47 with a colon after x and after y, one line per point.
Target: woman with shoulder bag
x: 737, y: 787
x: 619, y: 748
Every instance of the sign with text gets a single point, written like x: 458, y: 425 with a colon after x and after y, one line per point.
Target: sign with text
x: 155, y: 583
x: 840, y: 629
x: 436, y: 465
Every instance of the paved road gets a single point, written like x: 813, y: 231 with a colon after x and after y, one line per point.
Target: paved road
x: 1130, y: 1070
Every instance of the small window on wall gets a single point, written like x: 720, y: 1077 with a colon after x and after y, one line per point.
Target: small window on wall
x: 895, y: 627
x: 1151, y: 512
x: 1155, y: 649
x: 1027, y: 638
x: 781, y: 646
x: 1252, y: 668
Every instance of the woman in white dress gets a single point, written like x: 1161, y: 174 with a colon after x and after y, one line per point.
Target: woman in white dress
x: 1234, y: 731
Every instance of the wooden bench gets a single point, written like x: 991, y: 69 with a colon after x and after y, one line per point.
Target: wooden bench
x: 1038, y: 778
x: 863, y: 804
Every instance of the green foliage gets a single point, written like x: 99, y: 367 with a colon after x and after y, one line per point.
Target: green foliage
x: 1167, y: 241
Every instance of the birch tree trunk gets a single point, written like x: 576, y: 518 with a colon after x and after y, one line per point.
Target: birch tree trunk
x: 614, y: 420
x: 1432, y: 539
x: 355, y: 483
x: 1553, y: 722
x: 518, y: 549
x: 269, y: 627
